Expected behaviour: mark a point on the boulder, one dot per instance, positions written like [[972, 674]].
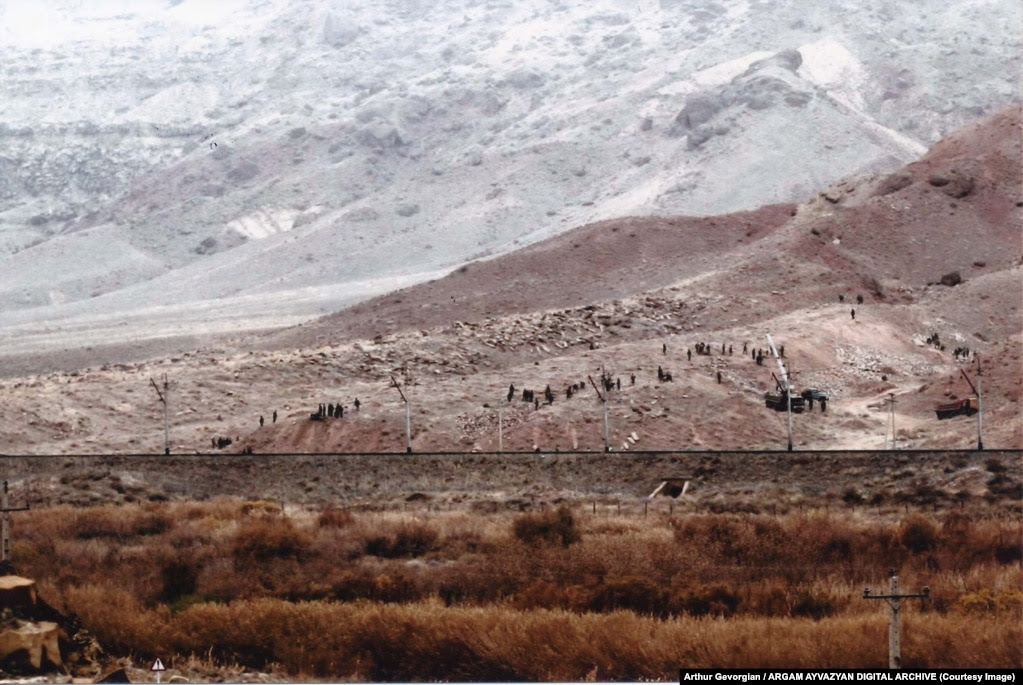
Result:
[[951, 279], [959, 186], [29, 646], [699, 108], [17, 592], [381, 133], [36, 639], [119, 675], [893, 183], [954, 184]]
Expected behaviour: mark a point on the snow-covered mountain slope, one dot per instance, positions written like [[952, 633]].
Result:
[[254, 163]]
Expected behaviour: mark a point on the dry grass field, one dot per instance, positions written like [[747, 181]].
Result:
[[553, 567]]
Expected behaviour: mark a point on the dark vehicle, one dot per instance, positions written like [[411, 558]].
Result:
[[965, 407], [814, 394], [779, 400]]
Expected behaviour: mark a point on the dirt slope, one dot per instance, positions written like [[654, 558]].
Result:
[[626, 297]]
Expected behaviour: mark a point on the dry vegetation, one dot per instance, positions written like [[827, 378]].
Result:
[[557, 594]]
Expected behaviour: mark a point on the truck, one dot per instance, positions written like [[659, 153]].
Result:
[[779, 400], [967, 406]]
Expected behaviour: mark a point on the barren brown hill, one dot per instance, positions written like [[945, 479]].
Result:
[[957, 209], [594, 263], [627, 297]]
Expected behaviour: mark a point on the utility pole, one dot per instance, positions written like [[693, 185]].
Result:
[[163, 398], [408, 416], [891, 420], [980, 411], [7, 509], [788, 386], [894, 599], [500, 428], [603, 402]]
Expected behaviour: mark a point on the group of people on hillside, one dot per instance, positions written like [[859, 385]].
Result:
[[332, 411], [608, 381]]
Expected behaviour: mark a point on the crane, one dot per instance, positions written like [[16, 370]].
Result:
[[784, 386], [603, 402], [968, 406], [980, 406]]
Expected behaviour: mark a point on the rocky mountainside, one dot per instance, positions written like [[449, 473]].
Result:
[[882, 287], [176, 168]]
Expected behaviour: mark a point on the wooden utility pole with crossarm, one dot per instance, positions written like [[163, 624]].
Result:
[[408, 415], [603, 402], [164, 396], [6, 509], [894, 599]]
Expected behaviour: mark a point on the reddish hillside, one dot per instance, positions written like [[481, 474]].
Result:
[[847, 282], [957, 209], [602, 261]]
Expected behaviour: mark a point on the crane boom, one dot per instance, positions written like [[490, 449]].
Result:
[[972, 386], [781, 366], [394, 384], [787, 389]]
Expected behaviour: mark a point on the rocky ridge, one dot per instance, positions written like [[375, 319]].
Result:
[[250, 166]]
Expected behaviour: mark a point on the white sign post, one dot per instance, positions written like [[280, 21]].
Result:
[[158, 668]]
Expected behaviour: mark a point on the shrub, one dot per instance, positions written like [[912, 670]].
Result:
[[919, 534], [766, 599], [715, 600], [550, 527], [261, 540], [994, 466], [1008, 553], [813, 606], [179, 578], [99, 522], [332, 517], [852, 496], [411, 540], [261, 508], [151, 523], [986, 601], [633, 594]]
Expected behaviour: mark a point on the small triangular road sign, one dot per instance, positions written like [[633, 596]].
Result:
[[158, 666]]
